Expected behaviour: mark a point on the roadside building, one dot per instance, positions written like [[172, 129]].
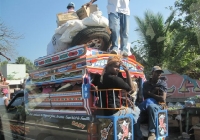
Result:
[[14, 74]]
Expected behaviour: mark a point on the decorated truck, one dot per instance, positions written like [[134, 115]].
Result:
[[59, 98], [58, 102]]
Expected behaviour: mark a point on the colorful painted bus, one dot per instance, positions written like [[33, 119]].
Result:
[[58, 102]]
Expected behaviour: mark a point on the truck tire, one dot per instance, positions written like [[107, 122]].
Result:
[[50, 138], [1, 136], [1, 131], [45, 136], [94, 37]]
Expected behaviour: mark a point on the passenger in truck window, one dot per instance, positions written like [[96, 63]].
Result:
[[35, 90], [77, 86], [48, 89], [110, 80], [68, 86]]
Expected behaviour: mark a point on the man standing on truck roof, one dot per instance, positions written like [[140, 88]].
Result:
[[118, 15], [154, 92], [71, 7]]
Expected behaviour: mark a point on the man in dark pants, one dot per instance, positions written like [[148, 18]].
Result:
[[118, 16], [154, 92]]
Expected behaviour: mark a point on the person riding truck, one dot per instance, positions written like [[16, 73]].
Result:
[[118, 15], [111, 80], [70, 7], [154, 92]]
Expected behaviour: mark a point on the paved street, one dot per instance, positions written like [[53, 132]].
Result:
[[174, 134]]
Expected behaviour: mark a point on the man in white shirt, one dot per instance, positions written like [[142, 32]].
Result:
[[118, 15]]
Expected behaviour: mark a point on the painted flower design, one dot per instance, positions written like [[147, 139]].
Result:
[[104, 134], [125, 129], [162, 125]]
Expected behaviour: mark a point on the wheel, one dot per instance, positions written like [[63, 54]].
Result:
[[94, 37], [2, 137], [1, 131], [50, 138], [45, 136]]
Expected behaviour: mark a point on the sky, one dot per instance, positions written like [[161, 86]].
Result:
[[36, 20]]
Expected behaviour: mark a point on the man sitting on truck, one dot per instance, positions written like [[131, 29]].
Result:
[[154, 92], [111, 80]]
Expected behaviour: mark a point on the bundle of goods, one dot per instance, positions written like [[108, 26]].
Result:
[[70, 24], [171, 106], [193, 101]]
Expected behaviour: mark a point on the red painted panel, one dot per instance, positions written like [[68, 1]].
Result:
[[182, 86], [55, 58], [74, 53]]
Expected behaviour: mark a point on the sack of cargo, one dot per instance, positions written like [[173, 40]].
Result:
[[50, 48], [55, 45], [58, 45], [103, 21], [69, 24], [71, 31], [97, 13], [96, 19]]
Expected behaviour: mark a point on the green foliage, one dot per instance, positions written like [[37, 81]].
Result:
[[185, 9], [153, 30], [188, 25], [174, 43], [12, 76], [3, 63], [29, 65]]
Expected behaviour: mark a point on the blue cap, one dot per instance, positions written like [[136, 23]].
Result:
[[71, 4]]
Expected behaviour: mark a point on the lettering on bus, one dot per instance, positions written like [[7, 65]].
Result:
[[103, 62], [41, 74], [63, 69], [100, 63], [85, 118], [79, 125], [67, 117]]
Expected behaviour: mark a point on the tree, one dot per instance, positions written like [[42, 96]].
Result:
[[3, 63], [188, 22], [195, 13], [153, 30], [139, 52], [8, 39], [185, 9], [189, 16], [172, 44], [27, 62]]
